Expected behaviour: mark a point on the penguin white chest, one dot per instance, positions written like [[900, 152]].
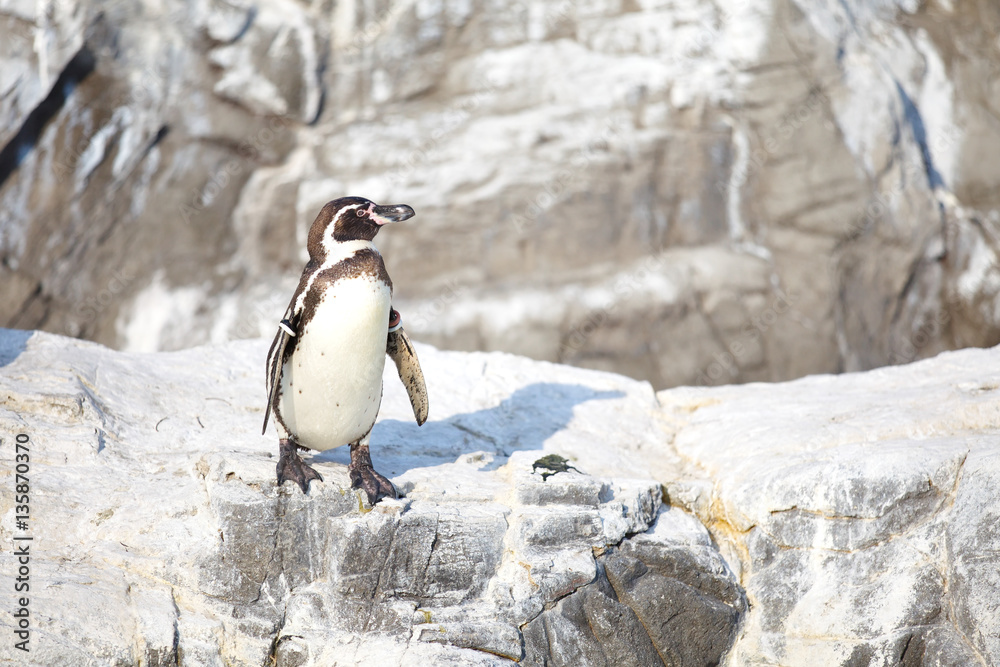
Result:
[[331, 386]]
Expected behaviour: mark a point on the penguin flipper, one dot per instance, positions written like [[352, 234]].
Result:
[[404, 356], [275, 355]]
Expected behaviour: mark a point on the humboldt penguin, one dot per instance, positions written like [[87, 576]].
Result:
[[324, 368]]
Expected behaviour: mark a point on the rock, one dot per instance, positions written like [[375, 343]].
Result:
[[834, 520], [859, 509], [159, 536], [690, 193]]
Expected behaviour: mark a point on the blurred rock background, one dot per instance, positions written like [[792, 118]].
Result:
[[688, 192]]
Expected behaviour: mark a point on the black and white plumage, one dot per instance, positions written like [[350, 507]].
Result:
[[324, 368]]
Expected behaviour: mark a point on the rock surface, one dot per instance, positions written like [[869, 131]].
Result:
[[861, 508], [847, 520], [154, 509], [689, 192]]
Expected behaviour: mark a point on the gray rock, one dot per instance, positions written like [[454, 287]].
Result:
[[834, 520], [161, 538], [689, 193], [649, 605], [857, 509]]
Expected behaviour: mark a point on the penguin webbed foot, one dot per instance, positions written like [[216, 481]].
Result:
[[292, 467], [364, 476]]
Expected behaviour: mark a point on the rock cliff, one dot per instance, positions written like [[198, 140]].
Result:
[[844, 520], [688, 192]]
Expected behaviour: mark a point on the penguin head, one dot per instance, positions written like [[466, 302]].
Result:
[[351, 219]]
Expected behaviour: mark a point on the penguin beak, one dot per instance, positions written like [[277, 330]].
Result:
[[391, 213]]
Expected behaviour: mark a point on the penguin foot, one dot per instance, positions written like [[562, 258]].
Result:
[[363, 476], [375, 486], [291, 466]]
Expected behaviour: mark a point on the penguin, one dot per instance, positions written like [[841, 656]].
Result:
[[324, 368]]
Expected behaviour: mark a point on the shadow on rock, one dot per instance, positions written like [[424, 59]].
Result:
[[522, 421], [12, 343]]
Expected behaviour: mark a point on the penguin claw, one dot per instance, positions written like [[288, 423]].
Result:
[[298, 472], [292, 467], [375, 486]]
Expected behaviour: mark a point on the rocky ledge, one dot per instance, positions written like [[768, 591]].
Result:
[[846, 520]]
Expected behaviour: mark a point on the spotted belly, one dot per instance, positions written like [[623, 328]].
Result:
[[331, 386]]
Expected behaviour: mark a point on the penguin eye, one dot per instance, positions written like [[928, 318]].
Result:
[[361, 212]]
